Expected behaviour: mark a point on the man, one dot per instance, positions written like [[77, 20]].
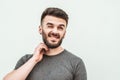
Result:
[[50, 61]]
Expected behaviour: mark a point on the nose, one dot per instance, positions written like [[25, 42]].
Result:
[[55, 30]]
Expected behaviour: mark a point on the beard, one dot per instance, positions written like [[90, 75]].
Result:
[[48, 44]]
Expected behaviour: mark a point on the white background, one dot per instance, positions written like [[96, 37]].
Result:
[[93, 33]]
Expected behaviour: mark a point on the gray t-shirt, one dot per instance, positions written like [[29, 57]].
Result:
[[64, 66]]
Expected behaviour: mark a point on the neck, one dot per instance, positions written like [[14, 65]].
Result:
[[55, 51]]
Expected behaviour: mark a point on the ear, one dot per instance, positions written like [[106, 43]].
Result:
[[40, 29]]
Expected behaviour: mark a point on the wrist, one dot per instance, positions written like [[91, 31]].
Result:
[[34, 60]]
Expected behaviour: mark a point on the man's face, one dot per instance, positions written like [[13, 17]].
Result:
[[53, 30]]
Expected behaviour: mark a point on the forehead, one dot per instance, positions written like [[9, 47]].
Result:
[[54, 20]]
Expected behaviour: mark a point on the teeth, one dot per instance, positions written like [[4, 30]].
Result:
[[54, 37]]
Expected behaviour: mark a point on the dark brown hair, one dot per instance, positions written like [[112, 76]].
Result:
[[57, 12]]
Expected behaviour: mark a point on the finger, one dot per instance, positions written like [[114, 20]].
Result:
[[44, 46]]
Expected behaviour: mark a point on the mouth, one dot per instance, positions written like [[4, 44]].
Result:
[[53, 35], [53, 39]]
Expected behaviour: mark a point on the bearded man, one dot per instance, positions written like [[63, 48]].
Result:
[[50, 60]]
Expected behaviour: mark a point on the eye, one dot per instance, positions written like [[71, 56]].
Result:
[[50, 26], [60, 28]]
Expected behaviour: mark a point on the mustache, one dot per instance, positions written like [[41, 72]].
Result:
[[56, 35]]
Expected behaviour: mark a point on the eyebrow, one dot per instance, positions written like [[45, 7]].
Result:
[[49, 23], [62, 25], [53, 24]]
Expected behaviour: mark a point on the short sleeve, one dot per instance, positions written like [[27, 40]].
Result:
[[80, 71], [22, 60]]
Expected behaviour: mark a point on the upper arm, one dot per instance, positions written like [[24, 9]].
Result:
[[22, 60], [80, 71]]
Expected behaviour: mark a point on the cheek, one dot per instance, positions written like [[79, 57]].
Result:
[[62, 35], [44, 34], [45, 31]]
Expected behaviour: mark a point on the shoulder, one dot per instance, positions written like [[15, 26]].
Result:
[[26, 57], [78, 67], [70, 55], [73, 59]]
